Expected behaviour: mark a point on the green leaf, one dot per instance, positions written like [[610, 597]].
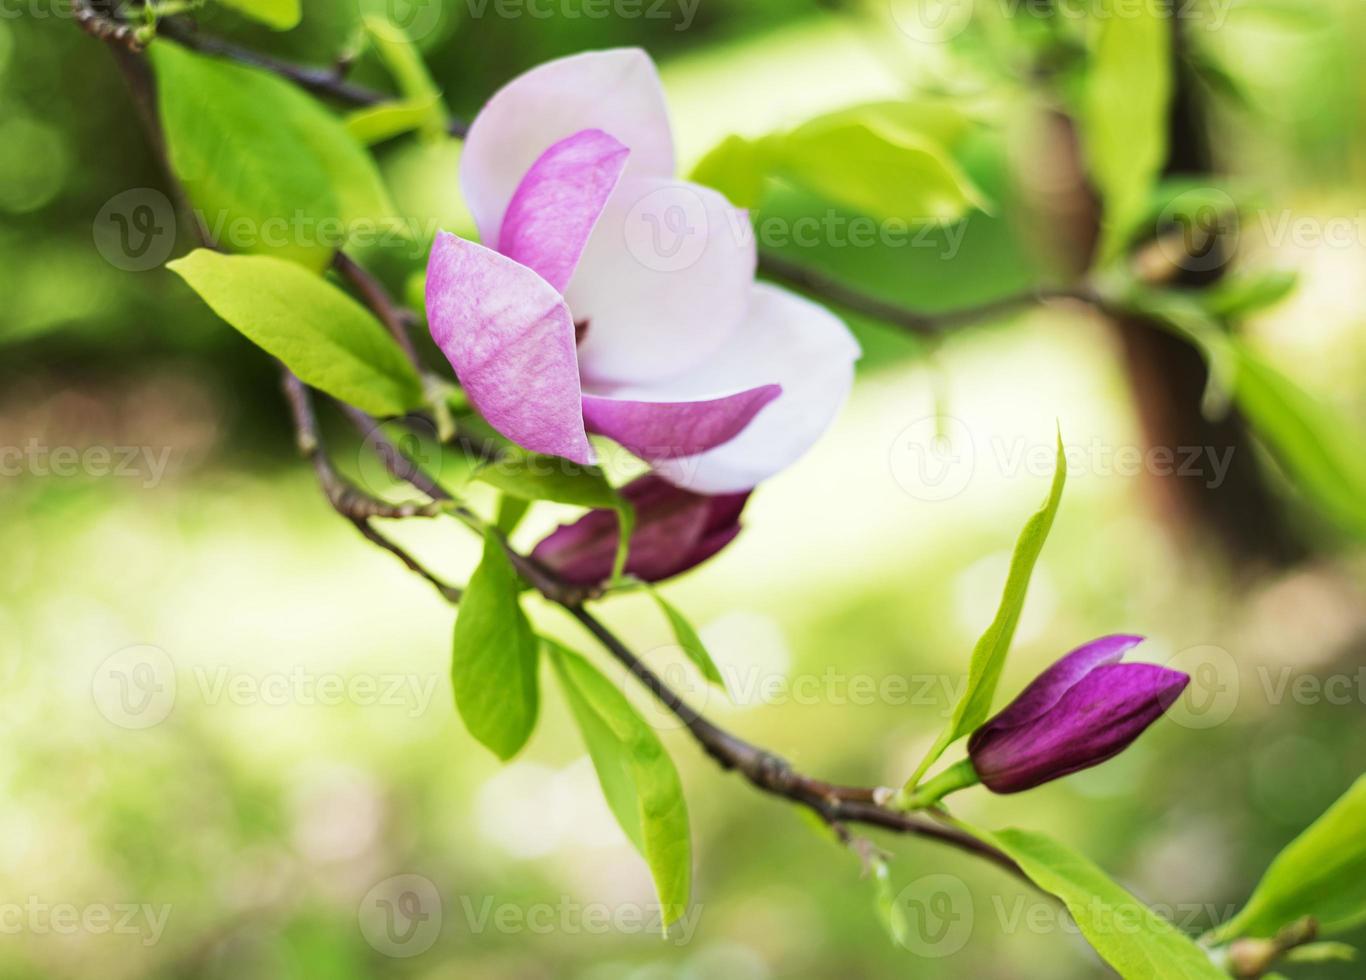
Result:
[[1137, 942], [282, 15], [637, 777], [1321, 873], [511, 510], [404, 61], [689, 640], [1238, 296], [1124, 112], [494, 657], [534, 477], [886, 159], [270, 170], [736, 167], [876, 160], [324, 336], [1321, 953], [989, 655], [377, 123], [1320, 453]]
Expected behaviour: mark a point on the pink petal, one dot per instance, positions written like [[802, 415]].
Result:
[[785, 339], [667, 430], [510, 338], [616, 91], [558, 202], [663, 283]]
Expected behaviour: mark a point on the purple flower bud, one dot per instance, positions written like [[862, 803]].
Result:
[[675, 530], [1084, 709]]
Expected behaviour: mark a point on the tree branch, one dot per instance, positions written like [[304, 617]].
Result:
[[327, 82], [836, 805]]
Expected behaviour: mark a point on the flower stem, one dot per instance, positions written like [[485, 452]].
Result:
[[927, 794]]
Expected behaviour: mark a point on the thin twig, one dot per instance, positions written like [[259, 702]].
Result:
[[817, 283], [372, 291], [328, 82]]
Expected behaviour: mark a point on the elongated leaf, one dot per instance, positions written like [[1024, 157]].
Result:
[[886, 159], [405, 63], [282, 15], [1124, 112], [269, 169], [989, 655], [1137, 942], [321, 334], [1321, 873], [637, 777], [511, 510], [377, 123], [1319, 451], [689, 640], [494, 657]]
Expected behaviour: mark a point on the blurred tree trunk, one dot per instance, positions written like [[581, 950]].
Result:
[[1167, 375]]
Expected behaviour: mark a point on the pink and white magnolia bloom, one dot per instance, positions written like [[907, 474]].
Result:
[[608, 296]]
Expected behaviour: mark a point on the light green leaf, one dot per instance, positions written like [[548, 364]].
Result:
[[1124, 112], [989, 655], [689, 640], [494, 657], [1238, 296], [404, 61], [1320, 452], [511, 510], [377, 123], [890, 912], [875, 160], [269, 169], [736, 167], [1134, 940], [886, 159], [1321, 873], [637, 777], [324, 336], [282, 15], [1321, 953]]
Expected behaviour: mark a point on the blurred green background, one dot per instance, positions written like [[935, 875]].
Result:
[[305, 749]]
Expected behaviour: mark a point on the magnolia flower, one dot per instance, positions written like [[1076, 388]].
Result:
[[1086, 708], [608, 296], [675, 530]]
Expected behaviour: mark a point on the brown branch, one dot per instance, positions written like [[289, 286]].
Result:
[[329, 82], [819, 284], [103, 26], [394, 317]]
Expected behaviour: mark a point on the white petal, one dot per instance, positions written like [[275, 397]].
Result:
[[785, 339], [616, 91], [663, 282]]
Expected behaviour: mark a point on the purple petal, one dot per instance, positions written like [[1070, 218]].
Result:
[[558, 202], [1046, 689], [1094, 720], [510, 338], [657, 430], [616, 91], [784, 339], [675, 530]]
